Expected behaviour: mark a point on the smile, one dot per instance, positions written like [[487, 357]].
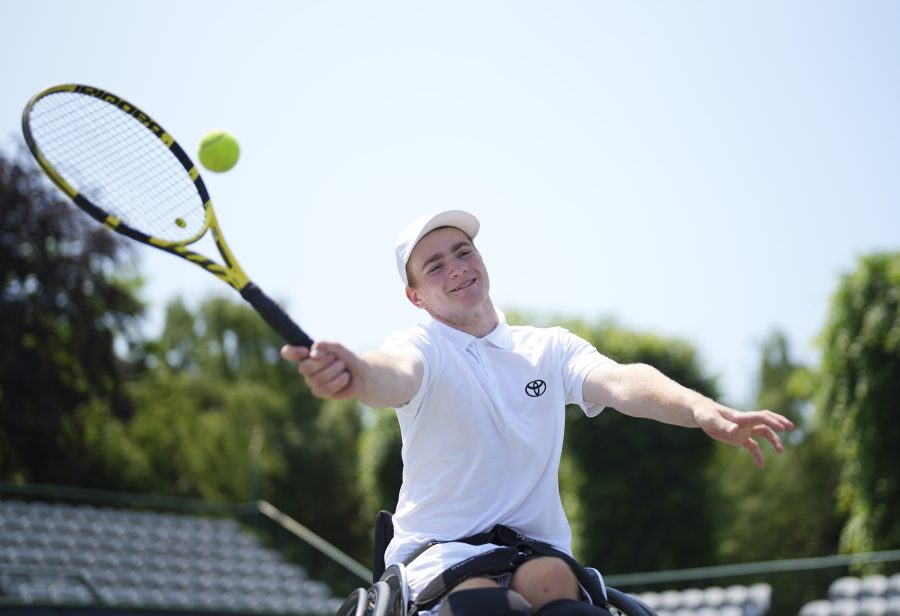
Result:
[[464, 285]]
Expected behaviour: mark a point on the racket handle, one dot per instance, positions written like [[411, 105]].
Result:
[[275, 316]]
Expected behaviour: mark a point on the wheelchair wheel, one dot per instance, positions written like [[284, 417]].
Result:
[[395, 577], [354, 605], [623, 604], [378, 600], [375, 601]]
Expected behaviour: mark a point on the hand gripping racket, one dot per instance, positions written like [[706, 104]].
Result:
[[121, 167]]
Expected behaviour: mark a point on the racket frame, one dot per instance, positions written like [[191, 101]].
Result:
[[230, 271]]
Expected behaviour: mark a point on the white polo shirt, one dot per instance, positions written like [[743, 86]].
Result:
[[482, 437]]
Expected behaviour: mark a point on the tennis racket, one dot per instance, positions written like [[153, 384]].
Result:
[[122, 168]]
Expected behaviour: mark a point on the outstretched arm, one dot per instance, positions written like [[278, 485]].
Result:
[[377, 379], [640, 390]]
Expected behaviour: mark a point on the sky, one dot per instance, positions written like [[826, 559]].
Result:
[[699, 170]]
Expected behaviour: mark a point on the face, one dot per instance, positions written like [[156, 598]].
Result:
[[447, 277]]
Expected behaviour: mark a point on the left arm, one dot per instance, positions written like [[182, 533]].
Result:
[[640, 390]]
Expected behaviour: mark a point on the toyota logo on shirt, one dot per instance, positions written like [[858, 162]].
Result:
[[536, 388]]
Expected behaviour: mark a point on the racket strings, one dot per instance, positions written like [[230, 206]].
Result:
[[119, 165]]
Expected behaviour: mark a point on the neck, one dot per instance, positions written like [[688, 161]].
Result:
[[476, 323]]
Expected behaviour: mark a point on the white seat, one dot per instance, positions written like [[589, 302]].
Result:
[[669, 600], [873, 586], [819, 607], [760, 595], [692, 598], [893, 606], [714, 596], [846, 587], [872, 606], [736, 594], [844, 607]]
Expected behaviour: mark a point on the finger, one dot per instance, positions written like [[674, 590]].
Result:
[[350, 359], [767, 433], [331, 381], [340, 386], [330, 371], [783, 422], [775, 421], [294, 353], [337, 350], [315, 363], [753, 447]]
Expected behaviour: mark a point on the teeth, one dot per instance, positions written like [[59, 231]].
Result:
[[464, 285]]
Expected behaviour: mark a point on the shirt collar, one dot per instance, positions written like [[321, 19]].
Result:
[[500, 337]]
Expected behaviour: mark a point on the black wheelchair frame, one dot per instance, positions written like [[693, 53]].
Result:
[[388, 595]]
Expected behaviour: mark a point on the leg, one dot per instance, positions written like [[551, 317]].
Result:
[[481, 596], [545, 579], [475, 582], [489, 600]]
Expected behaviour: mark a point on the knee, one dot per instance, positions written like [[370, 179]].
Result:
[[545, 579]]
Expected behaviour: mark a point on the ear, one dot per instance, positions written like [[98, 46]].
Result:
[[415, 299]]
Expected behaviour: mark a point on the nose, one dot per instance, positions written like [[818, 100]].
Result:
[[457, 267]]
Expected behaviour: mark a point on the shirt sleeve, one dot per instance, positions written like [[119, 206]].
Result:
[[415, 340], [579, 357]]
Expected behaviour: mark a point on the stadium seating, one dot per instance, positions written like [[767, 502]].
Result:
[[59, 554], [871, 595], [736, 600], [81, 555]]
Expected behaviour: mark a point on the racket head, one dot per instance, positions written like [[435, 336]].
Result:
[[117, 164]]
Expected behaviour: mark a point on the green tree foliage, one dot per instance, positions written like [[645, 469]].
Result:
[[786, 510], [190, 436], [318, 485], [68, 292], [640, 486], [381, 465], [308, 458], [858, 398], [224, 338]]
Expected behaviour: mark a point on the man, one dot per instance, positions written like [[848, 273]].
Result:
[[480, 406]]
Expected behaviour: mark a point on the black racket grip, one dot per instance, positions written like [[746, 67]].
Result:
[[275, 316]]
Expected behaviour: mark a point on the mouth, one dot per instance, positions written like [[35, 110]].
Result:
[[464, 285]]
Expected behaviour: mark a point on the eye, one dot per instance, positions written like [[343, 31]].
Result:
[[433, 268]]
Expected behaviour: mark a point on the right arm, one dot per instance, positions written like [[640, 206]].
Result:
[[377, 379]]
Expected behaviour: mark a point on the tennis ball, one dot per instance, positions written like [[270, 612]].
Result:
[[219, 151]]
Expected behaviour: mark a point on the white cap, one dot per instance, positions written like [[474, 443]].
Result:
[[416, 230]]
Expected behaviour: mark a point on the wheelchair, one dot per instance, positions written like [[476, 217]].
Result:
[[389, 593]]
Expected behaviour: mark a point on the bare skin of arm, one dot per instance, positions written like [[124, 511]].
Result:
[[376, 379], [642, 391]]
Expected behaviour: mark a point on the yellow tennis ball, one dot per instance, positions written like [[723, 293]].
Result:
[[219, 151]]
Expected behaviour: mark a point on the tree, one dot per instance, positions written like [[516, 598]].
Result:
[[786, 510], [857, 399], [639, 489], [190, 436], [309, 455], [68, 294], [381, 465]]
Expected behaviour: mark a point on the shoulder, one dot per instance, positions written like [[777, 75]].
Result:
[[414, 336], [421, 341], [549, 336]]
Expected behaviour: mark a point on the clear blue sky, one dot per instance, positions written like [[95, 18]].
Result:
[[703, 170]]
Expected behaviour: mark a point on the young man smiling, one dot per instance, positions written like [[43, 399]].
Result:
[[481, 411]]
